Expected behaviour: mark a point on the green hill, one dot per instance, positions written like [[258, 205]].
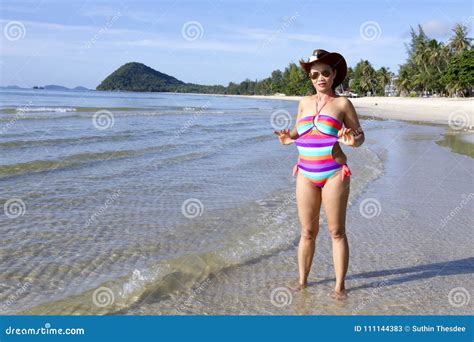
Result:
[[139, 77]]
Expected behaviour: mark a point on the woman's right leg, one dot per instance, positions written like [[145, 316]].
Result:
[[308, 199]]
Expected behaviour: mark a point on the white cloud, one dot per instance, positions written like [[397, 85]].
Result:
[[185, 45], [58, 28], [436, 28], [48, 44], [107, 12]]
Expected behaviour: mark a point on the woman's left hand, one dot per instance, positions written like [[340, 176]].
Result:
[[346, 136]]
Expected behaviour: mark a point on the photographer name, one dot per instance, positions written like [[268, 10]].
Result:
[[437, 328]]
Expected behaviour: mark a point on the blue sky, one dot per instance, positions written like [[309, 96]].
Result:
[[207, 42]]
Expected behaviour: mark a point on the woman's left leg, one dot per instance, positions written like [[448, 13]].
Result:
[[335, 195]]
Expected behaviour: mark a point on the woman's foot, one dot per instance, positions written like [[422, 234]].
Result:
[[338, 295], [299, 286]]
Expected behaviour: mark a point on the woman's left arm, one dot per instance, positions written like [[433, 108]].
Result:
[[351, 121]]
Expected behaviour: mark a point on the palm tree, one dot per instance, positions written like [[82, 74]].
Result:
[[367, 77], [383, 78], [421, 55], [459, 41], [404, 82], [435, 52]]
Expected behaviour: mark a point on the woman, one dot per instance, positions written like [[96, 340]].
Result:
[[323, 174]]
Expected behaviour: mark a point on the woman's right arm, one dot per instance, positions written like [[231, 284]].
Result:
[[286, 136]]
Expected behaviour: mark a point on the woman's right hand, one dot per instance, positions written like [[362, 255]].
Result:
[[284, 136]]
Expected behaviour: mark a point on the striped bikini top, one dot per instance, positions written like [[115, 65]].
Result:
[[321, 125]]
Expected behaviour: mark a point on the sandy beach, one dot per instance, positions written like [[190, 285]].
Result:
[[453, 111]]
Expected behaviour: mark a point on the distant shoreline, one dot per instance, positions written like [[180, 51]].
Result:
[[437, 110], [434, 110]]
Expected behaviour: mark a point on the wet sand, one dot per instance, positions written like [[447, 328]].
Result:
[[410, 234]]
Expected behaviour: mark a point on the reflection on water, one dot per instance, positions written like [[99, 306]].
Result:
[[459, 142]]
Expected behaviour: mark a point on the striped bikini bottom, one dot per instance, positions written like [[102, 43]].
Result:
[[319, 178]]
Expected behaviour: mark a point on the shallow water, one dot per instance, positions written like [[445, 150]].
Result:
[[410, 235], [185, 204], [105, 205], [459, 142]]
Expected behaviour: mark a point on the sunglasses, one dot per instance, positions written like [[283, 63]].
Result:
[[315, 74]]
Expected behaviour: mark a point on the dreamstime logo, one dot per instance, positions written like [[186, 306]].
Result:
[[103, 30], [192, 30], [196, 291], [371, 120], [290, 199], [281, 296], [110, 199], [192, 208], [370, 30], [280, 119], [457, 209], [14, 208], [468, 21], [103, 119], [459, 119], [15, 296], [14, 30], [286, 24], [20, 111], [368, 299], [102, 297], [369, 208], [458, 297], [191, 121]]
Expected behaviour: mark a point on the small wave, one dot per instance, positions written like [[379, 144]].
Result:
[[33, 117], [238, 125], [186, 157], [261, 138], [205, 128], [75, 116], [39, 109], [75, 160], [26, 109], [61, 141]]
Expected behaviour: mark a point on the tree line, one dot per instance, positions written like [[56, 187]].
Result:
[[431, 68], [438, 68]]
